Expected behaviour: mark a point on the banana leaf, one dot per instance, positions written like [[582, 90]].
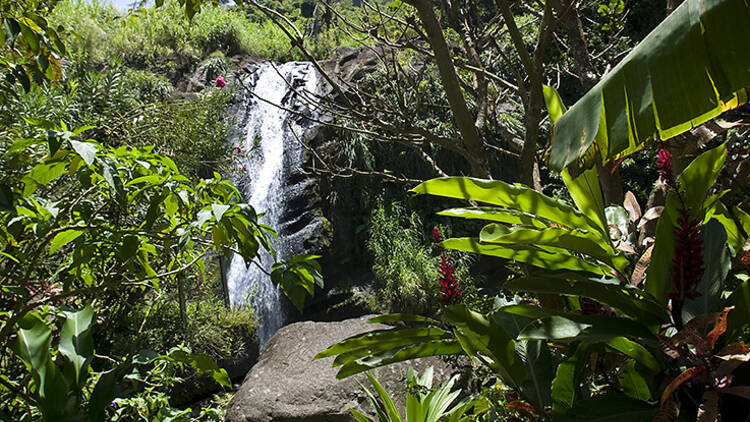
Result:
[[688, 70]]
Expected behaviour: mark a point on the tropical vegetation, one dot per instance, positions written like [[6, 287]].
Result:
[[589, 263]]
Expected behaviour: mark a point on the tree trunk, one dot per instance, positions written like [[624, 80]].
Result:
[[471, 139]]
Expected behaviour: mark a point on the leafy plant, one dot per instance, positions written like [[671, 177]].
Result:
[[423, 404], [646, 96]]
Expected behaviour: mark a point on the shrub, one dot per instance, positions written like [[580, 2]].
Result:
[[403, 264]]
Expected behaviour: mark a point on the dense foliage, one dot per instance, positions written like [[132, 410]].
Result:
[[589, 302]]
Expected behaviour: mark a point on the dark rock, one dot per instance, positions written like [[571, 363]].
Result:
[[286, 385]]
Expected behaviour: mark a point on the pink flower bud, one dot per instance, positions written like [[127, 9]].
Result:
[[220, 82]]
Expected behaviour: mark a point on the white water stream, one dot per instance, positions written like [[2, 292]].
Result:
[[272, 151]]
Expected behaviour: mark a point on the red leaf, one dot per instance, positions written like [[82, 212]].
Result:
[[681, 379], [719, 328]]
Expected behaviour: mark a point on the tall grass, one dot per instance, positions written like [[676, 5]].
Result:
[[155, 36]]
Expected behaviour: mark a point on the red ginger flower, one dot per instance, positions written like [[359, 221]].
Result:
[[664, 163], [688, 257], [220, 82], [450, 293], [436, 236]]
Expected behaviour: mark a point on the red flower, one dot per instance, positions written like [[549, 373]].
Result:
[[220, 82], [688, 257], [238, 149], [450, 293], [436, 236], [664, 163]]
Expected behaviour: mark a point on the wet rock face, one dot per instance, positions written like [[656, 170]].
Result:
[[287, 385]]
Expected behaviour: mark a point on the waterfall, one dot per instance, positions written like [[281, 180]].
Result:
[[273, 155]]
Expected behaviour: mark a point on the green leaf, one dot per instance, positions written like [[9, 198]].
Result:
[[33, 346], [478, 334], [374, 340], [386, 400], [77, 343], [635, 351], [561, 326], [516, 197], [690, 69], [112, 176], [564, 386], [86, 150], [578, 241], [524, 253], [587, 195], [357, 415], [46, 173], [219, 210], [104, 392], [63, 238], [415, 351], [539, 373], [630, 301], [555, 106], [699, 176], [500, 215], [633, 384], [32, 39], [391, 318]]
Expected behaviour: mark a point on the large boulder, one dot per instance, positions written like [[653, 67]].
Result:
[[287, 385]]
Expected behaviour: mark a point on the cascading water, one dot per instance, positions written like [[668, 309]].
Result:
[[271, 145]]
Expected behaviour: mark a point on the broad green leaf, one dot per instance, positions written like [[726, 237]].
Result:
[[385, 398], [104, 392], [618, 216], [415, 351], [633, 384], [86, 150], [699, 176], [689, 69], [391, 318], [77, 343], [524, 253], [539, 372], [635, 351], [561, 326], [372, 339], [219, 210], [484, 336], [587, 195], [33, 346], [500, 215], [578, 241], [359, 416], [564, 386], [112, 176], [630, 301], [516, 197], [63, 238], [46, 173], [555, 106], [395, 340]]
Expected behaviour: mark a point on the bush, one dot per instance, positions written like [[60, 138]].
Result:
[[403, 264]]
